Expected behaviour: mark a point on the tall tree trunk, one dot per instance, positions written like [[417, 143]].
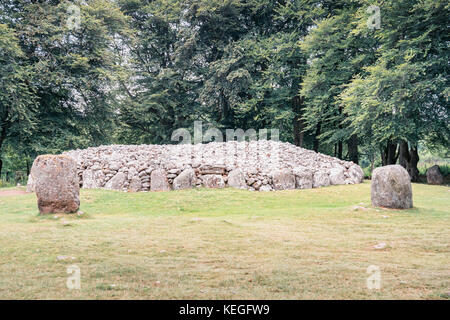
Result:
[[340, 147], [409, 158], [316, 139], [404, 157], [352, 145], [413, 170], [298, 125], [389, 153], [339, 155], [28, 167]]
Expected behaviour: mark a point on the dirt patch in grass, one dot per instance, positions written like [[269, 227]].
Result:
[[14, 192]]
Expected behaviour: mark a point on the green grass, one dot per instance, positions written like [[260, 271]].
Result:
[[228, 244]]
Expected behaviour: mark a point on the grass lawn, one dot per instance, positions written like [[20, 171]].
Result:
[[228, 244]]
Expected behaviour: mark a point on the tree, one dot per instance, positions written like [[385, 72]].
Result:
[[161, 95], [70, 69], [336, 54], [403, 98], [17, 103]]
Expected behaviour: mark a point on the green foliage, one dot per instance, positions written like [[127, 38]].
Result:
[[404, 94], [17, 103], [136, 70], [57, 80], [336, 55]]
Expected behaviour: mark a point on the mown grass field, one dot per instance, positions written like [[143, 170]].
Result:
[[228, 244]]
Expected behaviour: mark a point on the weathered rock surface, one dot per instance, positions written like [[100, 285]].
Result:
[[356, 174], [337, 176], [303, 178], [258, 165], [93, 179], [116, 182], [391, 187], [321, 179], [283, 180], [56, 184], [236, 179], [158, 180], [434, 175], [135, 184], [185, 180], [213, 181]]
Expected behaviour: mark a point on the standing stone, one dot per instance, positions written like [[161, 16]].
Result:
[[116, 182], [283, 180], [236, 179], [213, 181], [303, 178], [56, 184], [391, 187], [434, 175], [158, 180], [184, 180], [321, 179]]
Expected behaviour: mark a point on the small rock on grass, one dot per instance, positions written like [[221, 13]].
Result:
[[380, 246]]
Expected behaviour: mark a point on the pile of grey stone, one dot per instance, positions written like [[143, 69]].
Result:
[[257, 165]]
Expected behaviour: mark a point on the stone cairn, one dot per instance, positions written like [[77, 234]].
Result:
[[258, 165]]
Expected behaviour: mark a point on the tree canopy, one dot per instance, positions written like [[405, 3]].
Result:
[[75, 74]]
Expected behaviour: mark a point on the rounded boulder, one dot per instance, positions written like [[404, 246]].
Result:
[[434, 175], [391, 188]]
